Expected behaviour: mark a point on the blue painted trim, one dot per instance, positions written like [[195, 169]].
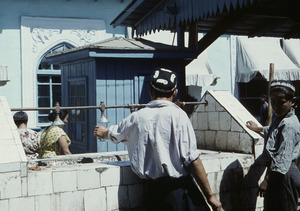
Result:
[[145, 55], [122, 55]]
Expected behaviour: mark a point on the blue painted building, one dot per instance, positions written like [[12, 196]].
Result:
[[115, 71]]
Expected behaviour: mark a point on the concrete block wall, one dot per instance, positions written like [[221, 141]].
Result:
[[107, 184], [94, 186], [233, 178], [221, 125]]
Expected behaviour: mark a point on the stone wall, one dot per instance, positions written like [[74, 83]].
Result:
[[221, 125], [65, 183]]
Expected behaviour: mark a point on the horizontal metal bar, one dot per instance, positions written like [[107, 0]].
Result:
[[97, 107]]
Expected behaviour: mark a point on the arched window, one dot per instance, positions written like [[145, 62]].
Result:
[[49, 84]]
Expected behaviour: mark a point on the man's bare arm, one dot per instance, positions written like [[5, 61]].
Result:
[[198, 172]]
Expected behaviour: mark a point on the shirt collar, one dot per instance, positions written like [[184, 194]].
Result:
[[160, 103]]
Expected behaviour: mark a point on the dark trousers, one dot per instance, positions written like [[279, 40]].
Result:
[[283, 190], [174, 194]]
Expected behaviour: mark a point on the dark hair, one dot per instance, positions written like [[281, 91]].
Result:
[[263, 96], [62, 115], [155, 93], [20, 117]]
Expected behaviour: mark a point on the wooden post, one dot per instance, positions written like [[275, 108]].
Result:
[[271, 77]]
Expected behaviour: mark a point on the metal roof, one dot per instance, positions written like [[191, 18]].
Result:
[[270, 18], [120, 47]]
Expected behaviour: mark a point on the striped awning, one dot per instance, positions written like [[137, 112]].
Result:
[[163, 14]]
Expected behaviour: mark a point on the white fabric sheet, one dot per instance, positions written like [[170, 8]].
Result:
[[291, 48], [199, 72], [255, 55]]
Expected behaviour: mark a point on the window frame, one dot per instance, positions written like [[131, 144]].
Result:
[[50, 73]]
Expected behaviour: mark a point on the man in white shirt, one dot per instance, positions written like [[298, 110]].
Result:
[[162, 149]]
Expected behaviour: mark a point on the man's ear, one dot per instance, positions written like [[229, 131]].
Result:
[[293, 100], [175, 93]]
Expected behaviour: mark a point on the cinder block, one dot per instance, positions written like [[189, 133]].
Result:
[[112, 176], [225, 121], [87, 179], [194, 119], [10, 185], [24, 169], [117, 197], [258, 150], [24, 184], [17, 204], [246, 161], [210, 139], [246, 143], [95, 200], [211, 106], [40, 182], [201, 108], [235, 126], [200, 138], [211, 165], [4, 205], [10, 167], [202, 123], [213, 120], [64, 181], [229, 162], [136, 193], [215, 179], [221, 140], [129, 177], [219, 107], [47, 203], [71, 201], [233, 141]]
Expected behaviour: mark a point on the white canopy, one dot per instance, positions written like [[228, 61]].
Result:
[[199, 72], [255, 55], [292, 49]]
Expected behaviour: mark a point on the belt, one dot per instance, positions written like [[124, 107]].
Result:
[[172, 182]]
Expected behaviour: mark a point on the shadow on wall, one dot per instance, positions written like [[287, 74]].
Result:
[[238, 192]]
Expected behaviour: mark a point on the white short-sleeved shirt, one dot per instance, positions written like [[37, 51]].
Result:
[[160, 138]]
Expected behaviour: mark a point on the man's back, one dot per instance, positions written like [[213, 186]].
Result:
[[160, 138]]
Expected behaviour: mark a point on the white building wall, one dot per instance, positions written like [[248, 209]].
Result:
[[29, 28]]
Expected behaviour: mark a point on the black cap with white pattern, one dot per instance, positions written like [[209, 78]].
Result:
[[282, 83], [163, 80]]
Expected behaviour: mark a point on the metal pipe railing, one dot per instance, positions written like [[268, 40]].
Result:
[[101, 106]]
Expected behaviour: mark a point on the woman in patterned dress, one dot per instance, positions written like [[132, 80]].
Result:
[[54, 140], [30, 139]]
